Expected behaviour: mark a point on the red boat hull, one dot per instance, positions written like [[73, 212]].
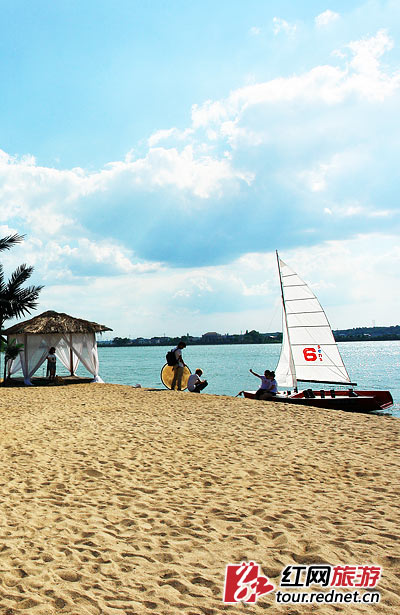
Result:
[[359, 401]]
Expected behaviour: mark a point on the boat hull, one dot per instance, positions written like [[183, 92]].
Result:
[[360, 401]]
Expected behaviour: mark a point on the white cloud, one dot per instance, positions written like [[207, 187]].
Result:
[[45, 221], [368, 79], [236, 135], [243, 294], [350, 210], [209, 112], [280, 25], [202, 176], [326, 18], [341, 164], [49, 200], [326, 84], [79, 259], [255, 31], [160, 135], [384, 213], [258, 290], [184, 169], [168, 134], [202, 283], [6, 230], [367, 52], [107, 253], [352, 267], [291, 154], [183, 292]]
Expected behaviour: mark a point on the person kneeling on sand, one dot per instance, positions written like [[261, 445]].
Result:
[[268, 387], [195, 385]]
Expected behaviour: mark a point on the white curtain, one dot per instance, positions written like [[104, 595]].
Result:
[[63, 352], [32, 356], [85, 347], [36, 349], [14, 366]]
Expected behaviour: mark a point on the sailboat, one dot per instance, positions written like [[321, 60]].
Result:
[[310, 354]]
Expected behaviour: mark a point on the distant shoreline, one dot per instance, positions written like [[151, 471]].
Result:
[[101, 344], [212, 338]]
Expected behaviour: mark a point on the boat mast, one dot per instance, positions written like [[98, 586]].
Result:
[[291, 362]]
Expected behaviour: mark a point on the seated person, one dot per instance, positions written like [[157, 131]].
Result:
[[268, 386], [195, 385], [273, 388]]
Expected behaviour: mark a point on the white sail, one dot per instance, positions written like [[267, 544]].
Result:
[[285, 373], [309, 351]]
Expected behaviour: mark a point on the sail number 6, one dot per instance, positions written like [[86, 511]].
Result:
[[310, 354]]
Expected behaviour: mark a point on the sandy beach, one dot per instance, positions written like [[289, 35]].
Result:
[[118, 500]]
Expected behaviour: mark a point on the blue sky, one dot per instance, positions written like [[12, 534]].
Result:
[[156, 154]]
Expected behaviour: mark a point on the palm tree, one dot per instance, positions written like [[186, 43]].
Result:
[[16, 301]]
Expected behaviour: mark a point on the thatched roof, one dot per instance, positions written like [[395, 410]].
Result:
[[55, 322]]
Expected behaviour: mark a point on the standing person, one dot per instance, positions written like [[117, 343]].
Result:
[[195, 385], [178, 367], [268, 386], [51, 363]]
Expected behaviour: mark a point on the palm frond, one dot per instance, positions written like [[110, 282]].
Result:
[[16, 301], [22, 302], [2, 281], [11, 349], [11, 240], [17, 278]]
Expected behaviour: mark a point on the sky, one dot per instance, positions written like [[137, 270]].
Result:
[[156, 154]]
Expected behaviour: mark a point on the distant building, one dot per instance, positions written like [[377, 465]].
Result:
[[211, 337]]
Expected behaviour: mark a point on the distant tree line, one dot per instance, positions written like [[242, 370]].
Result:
[[366, 334], [249, 337], [255, 337]]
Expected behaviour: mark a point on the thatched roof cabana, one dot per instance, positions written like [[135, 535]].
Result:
[[73, 338], [55, 322]]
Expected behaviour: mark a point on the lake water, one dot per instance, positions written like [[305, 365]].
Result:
[[373, 365]]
